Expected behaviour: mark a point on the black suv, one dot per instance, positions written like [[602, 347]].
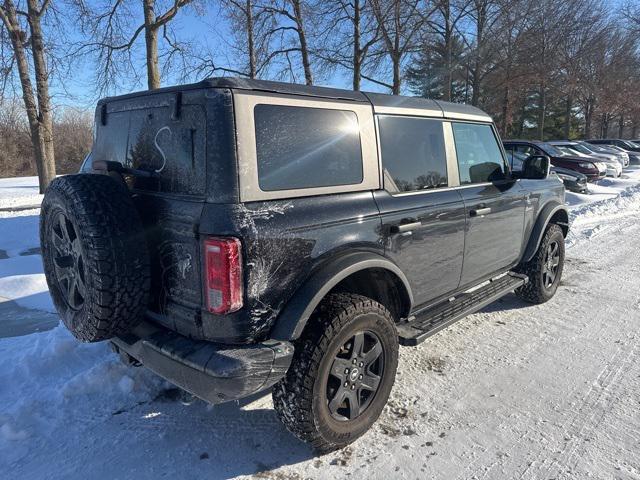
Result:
[[235, 235]]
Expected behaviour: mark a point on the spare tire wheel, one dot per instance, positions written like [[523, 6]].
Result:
[[95, 255]]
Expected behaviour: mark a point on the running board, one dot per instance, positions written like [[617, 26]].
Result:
[[430, 321]]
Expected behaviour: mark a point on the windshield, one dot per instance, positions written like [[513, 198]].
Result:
[[580, 148], [551, 150]]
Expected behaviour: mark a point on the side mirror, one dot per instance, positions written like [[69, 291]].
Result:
[[535, 167]]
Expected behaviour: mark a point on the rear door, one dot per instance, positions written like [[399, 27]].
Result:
[[145, 133], [494, 203], [422, 218]]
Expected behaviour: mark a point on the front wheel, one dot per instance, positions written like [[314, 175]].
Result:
[[544, 269], [341, 374]]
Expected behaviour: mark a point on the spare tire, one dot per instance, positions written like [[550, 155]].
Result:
[[95, 255]]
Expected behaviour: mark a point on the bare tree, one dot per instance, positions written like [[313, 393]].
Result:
[[399, 23], [289, 17], [25, 31], [242, 15], [110, 37], [350, 36], [484, 15], [445, 25]]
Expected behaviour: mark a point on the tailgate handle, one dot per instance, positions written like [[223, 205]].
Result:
[[479, 212]]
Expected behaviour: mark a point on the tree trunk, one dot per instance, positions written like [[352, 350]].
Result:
[[304, 50], [621, 126], [604, 125], [521, 120], [397, 81], [250, 40], [476, 79], [357, 65], [505, 111], [448, 40], [588, 118], [542, 111], [634, 130], [42, 90], [151, 40], [38, 113], [567, 117]]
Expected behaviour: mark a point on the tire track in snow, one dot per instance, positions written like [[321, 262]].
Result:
[[587, 416]]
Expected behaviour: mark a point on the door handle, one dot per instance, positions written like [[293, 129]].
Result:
[[479, 212], [405, 227]]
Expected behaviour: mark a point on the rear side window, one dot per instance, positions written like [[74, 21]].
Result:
[[303, 147], [413, 153], [479, 157]]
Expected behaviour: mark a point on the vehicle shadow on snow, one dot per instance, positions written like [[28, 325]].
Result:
[[506, 303], [225, 440]]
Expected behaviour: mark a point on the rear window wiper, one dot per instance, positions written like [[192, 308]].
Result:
[[107, 166]]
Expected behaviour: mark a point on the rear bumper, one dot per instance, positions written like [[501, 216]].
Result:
[[215, 373]]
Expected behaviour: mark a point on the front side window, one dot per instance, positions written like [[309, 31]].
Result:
[[303, 147], [479, 156], [413, 153]]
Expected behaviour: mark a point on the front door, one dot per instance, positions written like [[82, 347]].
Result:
[[494, 203], [422, 219]]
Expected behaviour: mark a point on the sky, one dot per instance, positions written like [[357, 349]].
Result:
[[209, 29]]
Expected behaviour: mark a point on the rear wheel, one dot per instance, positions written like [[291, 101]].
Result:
[[342, 372], [95, 256], [545, 268]]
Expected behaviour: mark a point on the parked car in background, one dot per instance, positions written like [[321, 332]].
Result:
[[614, 166], [625, 144], [593, 169], [611, 149], [573, 181], [632, 149]]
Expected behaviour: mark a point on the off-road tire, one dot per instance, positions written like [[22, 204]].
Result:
[[300, 397], [108, 254], [534, 291]]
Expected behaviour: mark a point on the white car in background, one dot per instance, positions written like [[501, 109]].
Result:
[[614, 165]]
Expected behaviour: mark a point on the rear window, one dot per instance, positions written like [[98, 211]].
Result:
[[413, 153], [302, 147], [149, 139]]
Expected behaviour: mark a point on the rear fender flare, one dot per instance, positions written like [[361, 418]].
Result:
[[294, 316], [549, 211]]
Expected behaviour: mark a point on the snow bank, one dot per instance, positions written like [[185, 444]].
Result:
[[19, 192], [46, 377]]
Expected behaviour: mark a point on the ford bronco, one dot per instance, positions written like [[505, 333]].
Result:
[[236, 235]]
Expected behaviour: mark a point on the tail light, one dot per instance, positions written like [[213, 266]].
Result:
[[223, 264]]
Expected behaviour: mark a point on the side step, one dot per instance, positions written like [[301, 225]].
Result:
[[432, 320]]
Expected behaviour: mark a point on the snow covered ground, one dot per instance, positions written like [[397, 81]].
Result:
[[515, 391]]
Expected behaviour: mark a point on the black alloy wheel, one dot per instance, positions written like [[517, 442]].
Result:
[[544, 270], [551, 264], [355, 376], [68, 261], [341, 374]]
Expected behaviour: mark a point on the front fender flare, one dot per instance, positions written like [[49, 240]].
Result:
[[550, 210], [294, 316]]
